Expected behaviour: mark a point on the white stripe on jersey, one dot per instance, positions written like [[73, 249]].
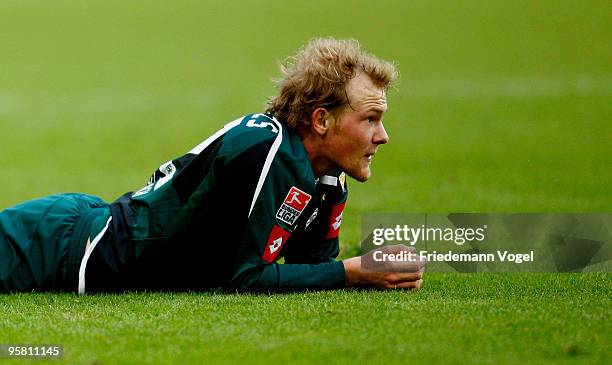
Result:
[[88, 250], [266, 167], [202, 146]]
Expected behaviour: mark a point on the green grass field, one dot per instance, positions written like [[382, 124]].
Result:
[[502, 106], [496, 318]]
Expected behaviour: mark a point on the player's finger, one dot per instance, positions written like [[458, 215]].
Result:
[[415, 264], [401, 277], [399, 248], [415, 285]]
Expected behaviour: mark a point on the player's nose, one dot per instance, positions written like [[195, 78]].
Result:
[[380, 135]]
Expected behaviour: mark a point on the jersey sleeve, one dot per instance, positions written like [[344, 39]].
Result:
[[319, 240], [280, 205]]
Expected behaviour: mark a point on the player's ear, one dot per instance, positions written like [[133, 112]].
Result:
[[319, 121]]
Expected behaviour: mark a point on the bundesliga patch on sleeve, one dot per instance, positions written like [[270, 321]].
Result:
[[277, 239], [293, 205], [335, 220]]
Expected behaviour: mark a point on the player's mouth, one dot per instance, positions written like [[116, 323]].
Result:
[[369, 156]]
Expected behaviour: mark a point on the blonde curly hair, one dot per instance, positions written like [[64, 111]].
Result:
[[316, 76]]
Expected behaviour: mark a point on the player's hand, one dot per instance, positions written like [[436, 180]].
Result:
[[369, 269]]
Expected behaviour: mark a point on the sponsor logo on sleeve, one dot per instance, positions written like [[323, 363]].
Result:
[[293, 205], [276, 240], [335, 221]]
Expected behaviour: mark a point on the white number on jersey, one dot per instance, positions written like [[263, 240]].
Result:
[[253, 122]]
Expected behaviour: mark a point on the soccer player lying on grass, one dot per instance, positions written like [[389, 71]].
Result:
[[265, 186]]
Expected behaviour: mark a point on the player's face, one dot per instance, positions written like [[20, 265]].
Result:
[[358, 130]]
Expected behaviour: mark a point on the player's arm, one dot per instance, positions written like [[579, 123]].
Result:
[[309, 258], [319, 243], [271, 226], [267, 237]]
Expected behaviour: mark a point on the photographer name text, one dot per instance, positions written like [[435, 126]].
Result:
[[407, 256]]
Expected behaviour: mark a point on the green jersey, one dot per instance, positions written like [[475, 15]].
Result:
[[222, 215]]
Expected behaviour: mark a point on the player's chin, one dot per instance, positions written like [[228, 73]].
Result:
[[362, 174]]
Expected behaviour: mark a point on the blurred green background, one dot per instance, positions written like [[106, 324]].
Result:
[[502, 106]]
